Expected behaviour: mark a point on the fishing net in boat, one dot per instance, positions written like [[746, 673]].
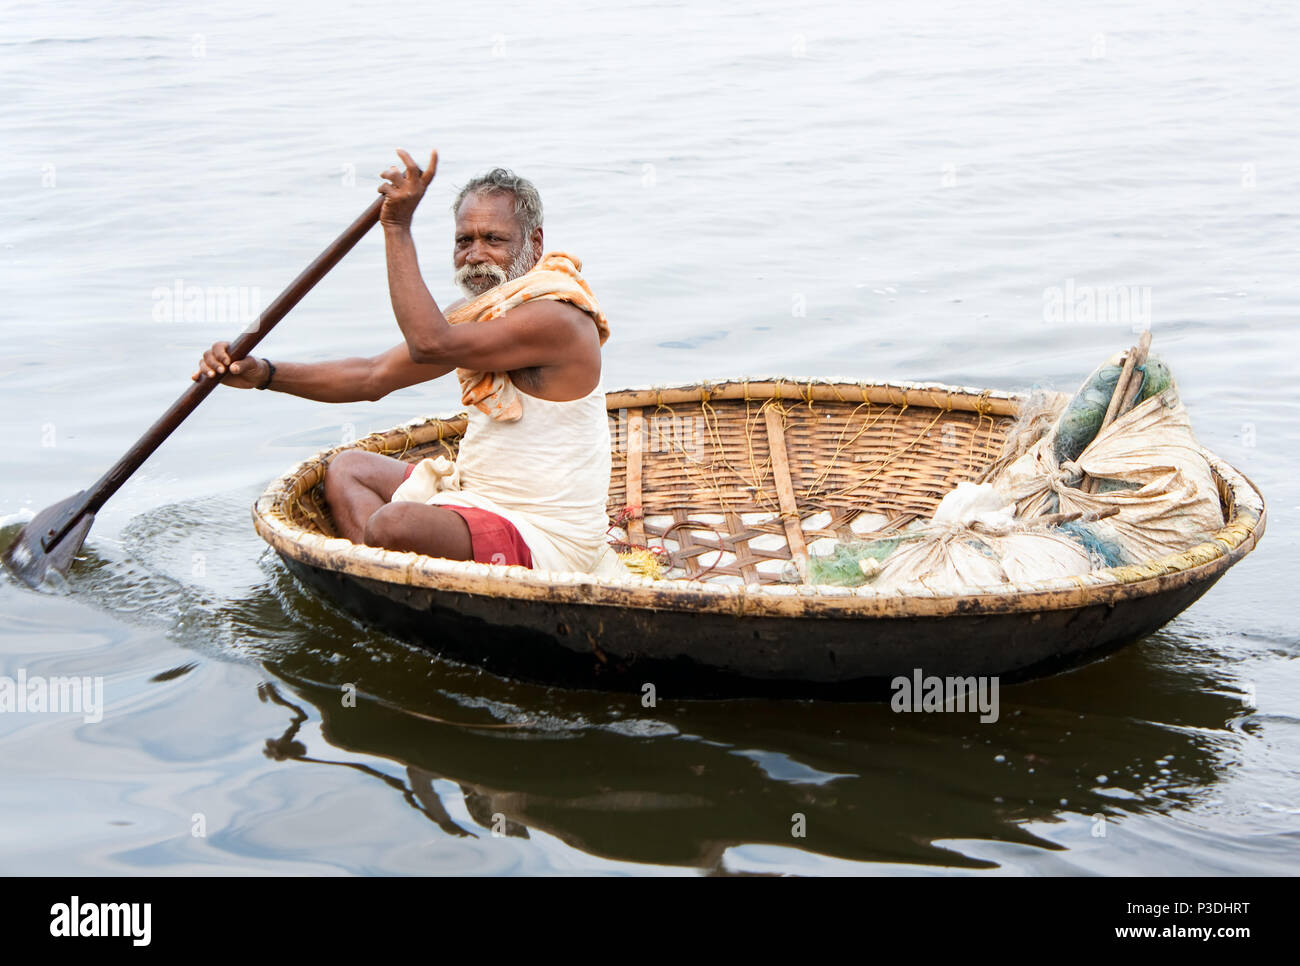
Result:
[[851, 562], [1105, 553]]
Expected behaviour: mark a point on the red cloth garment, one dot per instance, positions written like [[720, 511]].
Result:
[[493, 538]]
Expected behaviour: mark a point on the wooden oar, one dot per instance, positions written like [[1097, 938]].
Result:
[[53, 537]]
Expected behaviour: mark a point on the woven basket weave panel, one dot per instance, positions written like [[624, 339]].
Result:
[[693, 459], [892, 460], [845, 459], [885, 458]]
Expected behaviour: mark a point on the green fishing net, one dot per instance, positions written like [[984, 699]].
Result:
[[843, 567]]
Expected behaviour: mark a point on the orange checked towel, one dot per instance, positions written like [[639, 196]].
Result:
[[557, 276]]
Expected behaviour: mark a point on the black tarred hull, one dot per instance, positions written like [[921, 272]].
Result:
[[703, 655]]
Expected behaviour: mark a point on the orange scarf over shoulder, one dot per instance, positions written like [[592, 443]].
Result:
[[558, 277]]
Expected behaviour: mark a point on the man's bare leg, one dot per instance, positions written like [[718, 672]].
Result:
[[431, 530], [358, 488], [357, 484]]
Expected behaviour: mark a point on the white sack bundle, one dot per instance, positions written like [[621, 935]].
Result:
[[973, 541]]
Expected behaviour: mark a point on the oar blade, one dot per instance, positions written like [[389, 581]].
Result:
[[29, 560]]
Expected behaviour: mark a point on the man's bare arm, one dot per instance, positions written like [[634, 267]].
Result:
[[356, 379], [537, 333], [344, 380]]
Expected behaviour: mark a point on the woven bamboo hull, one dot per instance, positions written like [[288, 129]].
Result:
[[732, 628]]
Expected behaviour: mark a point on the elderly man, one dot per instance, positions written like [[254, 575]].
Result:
[[529, 483]]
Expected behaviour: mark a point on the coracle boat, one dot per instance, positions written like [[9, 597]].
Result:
[[733, 484]]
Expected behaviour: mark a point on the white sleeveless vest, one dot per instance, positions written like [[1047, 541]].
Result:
[[547, 473]]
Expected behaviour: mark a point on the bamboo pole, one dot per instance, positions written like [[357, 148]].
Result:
[[1126, 390], [635, 457], [785, 490]]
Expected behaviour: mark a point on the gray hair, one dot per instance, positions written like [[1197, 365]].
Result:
[[528, 203]]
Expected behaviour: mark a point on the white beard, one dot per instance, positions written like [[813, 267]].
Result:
[[474, 280]]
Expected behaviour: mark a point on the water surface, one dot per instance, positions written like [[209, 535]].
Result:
[[827, 190]]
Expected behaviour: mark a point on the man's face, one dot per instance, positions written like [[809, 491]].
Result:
[[490, 247]]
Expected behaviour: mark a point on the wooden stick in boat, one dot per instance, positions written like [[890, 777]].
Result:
[[635, 458], [1121, 397], [785, 490], [1135, 378], [1056, 519]]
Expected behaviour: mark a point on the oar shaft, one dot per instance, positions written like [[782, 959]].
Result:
[[112, 481]]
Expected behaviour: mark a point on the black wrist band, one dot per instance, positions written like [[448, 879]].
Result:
[[270, 374]]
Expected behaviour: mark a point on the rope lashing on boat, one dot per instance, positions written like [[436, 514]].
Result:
[[892, 456], [983, 411], [407, 442], [946, 405], [628, 512], [698, 525], [309, 511], [842, 443], [1068, 473], [754, 483]]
